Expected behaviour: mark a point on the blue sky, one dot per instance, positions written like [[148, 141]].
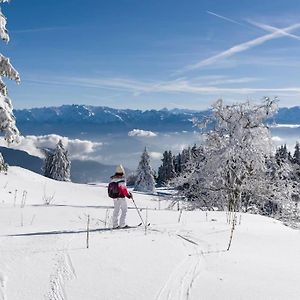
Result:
[[152, 53]]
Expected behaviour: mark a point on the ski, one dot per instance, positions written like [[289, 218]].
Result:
[[129, 227]]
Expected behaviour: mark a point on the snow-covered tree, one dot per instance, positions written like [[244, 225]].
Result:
[[7, 118], [186, 156], [281, 154], [3, 165], [57, 163], [296, 156], [48, 162], [145, 175], [236, 169], [167, 170], [235, 155], [178, 163]]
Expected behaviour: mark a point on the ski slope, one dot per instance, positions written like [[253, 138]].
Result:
[[43, 252]]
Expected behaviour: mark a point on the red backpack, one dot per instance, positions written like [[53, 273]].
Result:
[[113, 190]]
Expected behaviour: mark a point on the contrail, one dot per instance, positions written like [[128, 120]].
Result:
[[273, 29], [241, 47], [224, 18]]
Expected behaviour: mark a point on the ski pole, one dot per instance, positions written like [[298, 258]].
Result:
[[138, 211]]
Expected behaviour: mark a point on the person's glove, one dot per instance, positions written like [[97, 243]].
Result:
[[130, 196]]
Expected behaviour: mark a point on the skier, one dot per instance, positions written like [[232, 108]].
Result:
[[118, 180]]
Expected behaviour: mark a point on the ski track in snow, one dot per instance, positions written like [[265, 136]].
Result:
[[3, 280], [179, 284], [63, 272]]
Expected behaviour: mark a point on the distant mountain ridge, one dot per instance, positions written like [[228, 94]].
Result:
[[288, 115], [98, 119], [66, 119]]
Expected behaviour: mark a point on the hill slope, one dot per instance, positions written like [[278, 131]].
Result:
[[82, 171], [44, 255]]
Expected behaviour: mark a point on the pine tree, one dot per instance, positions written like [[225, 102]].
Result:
[[290, 157], [7, 118], [145, 175], [170, 166], [186, 156], [281, 154], [57, 164], [178, 164], [296, 156], [161, 174], [48, 162], [167, 170], [3, 165]]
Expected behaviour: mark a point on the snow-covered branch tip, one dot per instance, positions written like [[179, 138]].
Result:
[[7, 118], [3, 31], [7, 70]]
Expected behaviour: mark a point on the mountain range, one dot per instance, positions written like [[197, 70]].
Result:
[[71, 120]]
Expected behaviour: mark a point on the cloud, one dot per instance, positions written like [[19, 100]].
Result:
[[33, 145], [233, 80], [286, 126], [277, 139], [155, 155], [141, 133], [240, 48]]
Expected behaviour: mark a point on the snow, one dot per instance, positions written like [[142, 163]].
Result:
[[43, 251]]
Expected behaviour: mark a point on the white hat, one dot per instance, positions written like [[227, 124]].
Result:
[[120, 169]]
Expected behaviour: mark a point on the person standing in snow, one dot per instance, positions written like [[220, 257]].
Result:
[[118, 182]]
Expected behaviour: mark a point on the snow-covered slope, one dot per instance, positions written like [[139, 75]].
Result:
[[43, 251]]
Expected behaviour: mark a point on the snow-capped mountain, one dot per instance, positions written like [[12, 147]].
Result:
[[71, 119], [94, 119], [288, 115]]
